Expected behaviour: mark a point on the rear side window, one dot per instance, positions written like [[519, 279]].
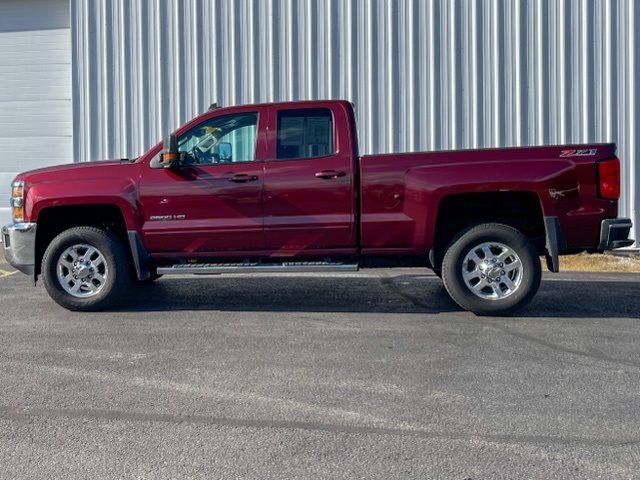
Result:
[[305, 133]]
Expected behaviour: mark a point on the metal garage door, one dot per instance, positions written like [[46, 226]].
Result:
[[35, 89]]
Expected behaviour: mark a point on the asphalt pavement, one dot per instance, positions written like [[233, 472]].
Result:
[[372, 375]]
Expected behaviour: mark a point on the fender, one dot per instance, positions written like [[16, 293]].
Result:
[[427, 186], [121, 193], [86, 184]]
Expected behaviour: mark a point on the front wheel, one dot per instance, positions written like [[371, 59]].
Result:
[[85, 268], [491, 269]]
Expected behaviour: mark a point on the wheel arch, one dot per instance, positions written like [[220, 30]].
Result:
[[521, 210], [54, 220]]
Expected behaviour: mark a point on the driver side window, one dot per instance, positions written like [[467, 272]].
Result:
[[225, 139]]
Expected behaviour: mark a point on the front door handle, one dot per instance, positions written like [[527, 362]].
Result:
[[329, 174], [242, 178]]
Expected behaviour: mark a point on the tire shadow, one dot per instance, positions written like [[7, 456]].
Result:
[[394, 294]]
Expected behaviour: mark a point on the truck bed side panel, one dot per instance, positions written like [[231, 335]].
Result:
[[401, 193]]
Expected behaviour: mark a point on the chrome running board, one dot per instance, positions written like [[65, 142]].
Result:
[[254, 267]]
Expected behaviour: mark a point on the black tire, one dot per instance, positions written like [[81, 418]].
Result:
[[464, 243], [115, 258]]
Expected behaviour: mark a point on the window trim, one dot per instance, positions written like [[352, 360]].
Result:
[[334, 139]]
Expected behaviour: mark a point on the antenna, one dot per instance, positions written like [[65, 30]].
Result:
[[213, 106]]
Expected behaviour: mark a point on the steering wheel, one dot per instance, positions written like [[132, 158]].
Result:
[[200, 157]]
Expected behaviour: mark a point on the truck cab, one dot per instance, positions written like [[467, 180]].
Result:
[[258, 180]]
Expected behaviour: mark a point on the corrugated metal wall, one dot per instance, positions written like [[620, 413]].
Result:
[[423, 74]]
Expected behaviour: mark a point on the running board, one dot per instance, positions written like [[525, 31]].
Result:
[[285, 267]]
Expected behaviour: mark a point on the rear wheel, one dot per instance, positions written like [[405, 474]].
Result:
[[491, 269], [85, 268]]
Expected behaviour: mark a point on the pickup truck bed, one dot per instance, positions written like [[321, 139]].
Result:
[[410, 195]]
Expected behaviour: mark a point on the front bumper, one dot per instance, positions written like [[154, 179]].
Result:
[[19, 243], [614, 233]]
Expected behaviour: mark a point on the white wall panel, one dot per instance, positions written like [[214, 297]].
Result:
[[35, 89], [423, 74]]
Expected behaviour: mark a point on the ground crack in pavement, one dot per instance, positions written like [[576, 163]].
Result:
[[593, 355], [28, 414]]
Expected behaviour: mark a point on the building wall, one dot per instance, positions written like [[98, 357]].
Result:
[[35, 89], [424, 75]]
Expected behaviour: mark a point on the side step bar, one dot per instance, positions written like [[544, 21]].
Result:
[[285, 267]]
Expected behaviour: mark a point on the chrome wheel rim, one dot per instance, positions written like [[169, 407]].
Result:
[[82, 270], [492, 271]]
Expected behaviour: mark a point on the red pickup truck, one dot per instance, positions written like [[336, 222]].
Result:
[[281, 188]]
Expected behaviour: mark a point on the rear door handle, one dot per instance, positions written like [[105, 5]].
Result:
[[242, 178], [329, 174]]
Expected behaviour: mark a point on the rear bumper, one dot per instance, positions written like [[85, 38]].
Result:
[[614, 233], [19, 243]]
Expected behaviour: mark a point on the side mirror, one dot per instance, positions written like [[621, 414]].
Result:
[[170, 156]]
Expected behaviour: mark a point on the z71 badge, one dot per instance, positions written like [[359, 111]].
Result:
[[579, 153]]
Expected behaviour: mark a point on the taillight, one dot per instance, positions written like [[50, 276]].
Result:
[[609, 179]]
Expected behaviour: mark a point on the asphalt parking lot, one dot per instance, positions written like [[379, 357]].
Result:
[[376, 375]]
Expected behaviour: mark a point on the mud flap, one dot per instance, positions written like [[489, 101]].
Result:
[[554, 243], [139, 255]]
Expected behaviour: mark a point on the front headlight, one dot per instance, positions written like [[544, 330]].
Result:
[[17, 201]]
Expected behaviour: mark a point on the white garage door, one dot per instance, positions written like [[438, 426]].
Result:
[[35, 89]]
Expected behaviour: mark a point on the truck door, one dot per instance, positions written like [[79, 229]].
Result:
[[309, 201], [213, 202]]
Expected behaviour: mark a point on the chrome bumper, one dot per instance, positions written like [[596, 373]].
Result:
[[614, 233], [19, 243]]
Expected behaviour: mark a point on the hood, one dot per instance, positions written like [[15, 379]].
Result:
[[77, 171]]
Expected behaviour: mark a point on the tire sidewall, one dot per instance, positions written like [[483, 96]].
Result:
[[108, 246], [460, 247]]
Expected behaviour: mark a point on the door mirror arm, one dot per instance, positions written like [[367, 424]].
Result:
[[170, 156]]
